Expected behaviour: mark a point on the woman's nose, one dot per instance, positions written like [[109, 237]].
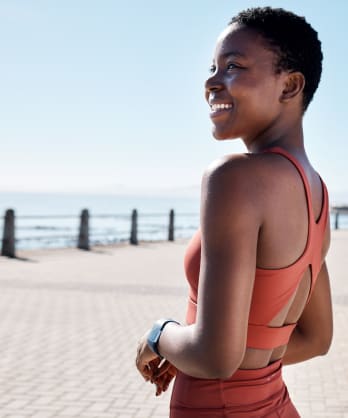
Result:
[[213, 83]]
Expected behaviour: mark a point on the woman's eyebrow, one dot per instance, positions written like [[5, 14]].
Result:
[[233, 54]]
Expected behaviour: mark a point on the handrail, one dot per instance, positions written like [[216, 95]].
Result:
[[83, 235]]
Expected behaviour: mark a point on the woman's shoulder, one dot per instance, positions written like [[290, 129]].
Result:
[[243, 161], [233, 182], [240, 170], [252, 181], [228, 161]]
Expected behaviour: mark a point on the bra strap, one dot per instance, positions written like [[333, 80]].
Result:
[[298, 166]]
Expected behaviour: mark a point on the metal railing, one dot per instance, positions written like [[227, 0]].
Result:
[[83, 236], [337, 211]]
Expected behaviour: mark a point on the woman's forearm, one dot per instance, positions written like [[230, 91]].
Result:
[[177, 345], [181, 346]]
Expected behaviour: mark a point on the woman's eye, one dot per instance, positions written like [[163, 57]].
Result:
[[232, 66], [212, 69]]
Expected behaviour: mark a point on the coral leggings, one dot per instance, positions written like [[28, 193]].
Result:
[[257, 393]]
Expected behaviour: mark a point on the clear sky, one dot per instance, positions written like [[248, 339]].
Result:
[[107, 96]]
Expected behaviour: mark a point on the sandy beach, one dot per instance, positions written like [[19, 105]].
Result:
[[70, 321]]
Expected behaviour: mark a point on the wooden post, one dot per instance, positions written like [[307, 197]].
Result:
[[171, 226], [83, 241], [8, 239], [134, 228], [336, 219]]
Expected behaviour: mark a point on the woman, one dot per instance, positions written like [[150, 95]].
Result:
[[259, 286]]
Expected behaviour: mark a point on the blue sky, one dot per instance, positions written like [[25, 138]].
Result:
[[107, 96]]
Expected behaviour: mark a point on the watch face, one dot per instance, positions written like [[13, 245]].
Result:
[[155, 334], [153, 338]]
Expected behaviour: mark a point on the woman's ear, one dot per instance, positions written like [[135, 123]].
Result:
[[293, 86]]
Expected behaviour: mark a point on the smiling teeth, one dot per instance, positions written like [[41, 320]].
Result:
[[220, 106]]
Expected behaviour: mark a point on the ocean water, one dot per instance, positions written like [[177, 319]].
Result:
[[52, 220]]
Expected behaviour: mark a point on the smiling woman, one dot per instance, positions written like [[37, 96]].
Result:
[[259, 288], [252, 86]]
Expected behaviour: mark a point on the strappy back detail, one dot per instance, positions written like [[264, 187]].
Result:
[[283, 282], [298, 166], [310, 211], [273, 288]]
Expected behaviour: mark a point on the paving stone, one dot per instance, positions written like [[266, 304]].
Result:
[[70, 322]]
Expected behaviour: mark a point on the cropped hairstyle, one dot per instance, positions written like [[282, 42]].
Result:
[[292, 39]]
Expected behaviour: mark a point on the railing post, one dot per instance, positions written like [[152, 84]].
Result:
[[336, 219], [83, 241], [171, 226], [8, 238], [134, 228]]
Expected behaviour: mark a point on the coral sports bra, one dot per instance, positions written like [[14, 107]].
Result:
[[273, 288]]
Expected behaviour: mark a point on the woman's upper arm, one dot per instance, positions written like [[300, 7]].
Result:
[[230, 223], [316, 321]]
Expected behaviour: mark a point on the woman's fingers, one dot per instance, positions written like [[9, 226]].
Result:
[[163, 368], [165, 372], [153, 365], [163, 381], [154, 369], [168, 378], [163, 385]]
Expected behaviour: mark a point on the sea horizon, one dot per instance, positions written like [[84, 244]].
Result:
[[337, 197]]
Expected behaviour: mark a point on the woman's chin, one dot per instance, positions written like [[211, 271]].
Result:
[[221, 135]]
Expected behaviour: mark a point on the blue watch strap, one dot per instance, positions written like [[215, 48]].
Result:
[[155, 334]]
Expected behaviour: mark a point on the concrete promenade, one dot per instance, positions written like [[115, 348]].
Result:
[[70, 321]]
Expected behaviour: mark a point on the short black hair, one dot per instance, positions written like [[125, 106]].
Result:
[[292, 39]]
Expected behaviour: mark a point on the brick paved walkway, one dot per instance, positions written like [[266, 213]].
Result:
[[70, 320]]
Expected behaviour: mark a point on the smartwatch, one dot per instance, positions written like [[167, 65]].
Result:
[[155, 334]]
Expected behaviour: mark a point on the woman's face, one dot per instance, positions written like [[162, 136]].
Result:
[[244, 89]]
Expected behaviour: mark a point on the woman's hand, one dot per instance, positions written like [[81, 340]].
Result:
[[153, 368], [164, 375], [146, 361]]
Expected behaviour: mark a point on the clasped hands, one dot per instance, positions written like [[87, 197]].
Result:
[[154, 369]]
